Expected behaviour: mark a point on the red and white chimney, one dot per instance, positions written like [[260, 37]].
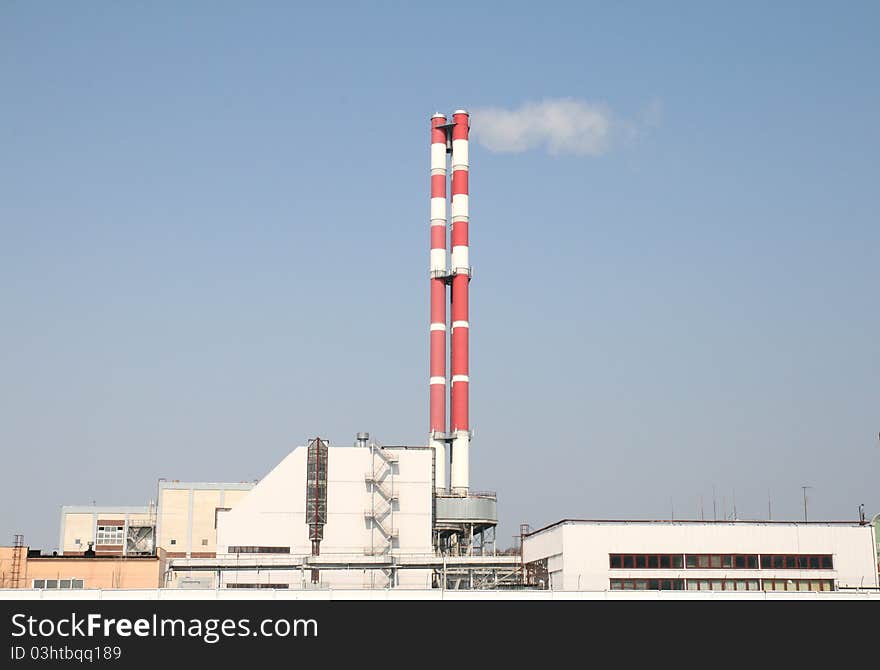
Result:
[[438, 275], [460, 277], [446, 137]]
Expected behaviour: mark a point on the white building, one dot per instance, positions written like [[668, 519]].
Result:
[[346, 505], [576, 555]]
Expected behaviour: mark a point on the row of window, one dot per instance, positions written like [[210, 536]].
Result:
[[647, 584], [244, 585], [58, 584], [646, 560], [723, 561], [722, 584], [797, 561], [733, 561], [258, 550]]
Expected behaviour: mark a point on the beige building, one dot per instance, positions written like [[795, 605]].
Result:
[[26, 569], [186, 525], [183, 523], [111, 531]]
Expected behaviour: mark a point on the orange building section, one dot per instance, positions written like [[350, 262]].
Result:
[[88, 572]]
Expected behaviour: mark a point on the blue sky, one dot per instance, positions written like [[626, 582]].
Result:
[[214, 224]]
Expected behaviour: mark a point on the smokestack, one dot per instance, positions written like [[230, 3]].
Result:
[[460, 272], [438, 299]]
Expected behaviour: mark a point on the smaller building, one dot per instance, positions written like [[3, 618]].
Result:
[[23, 568], [183, 522], [108, 531], [600, 555]]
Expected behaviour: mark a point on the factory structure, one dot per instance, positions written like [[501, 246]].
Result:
[[380, 516]]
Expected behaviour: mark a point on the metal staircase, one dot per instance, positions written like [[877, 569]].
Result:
[[380, 512]]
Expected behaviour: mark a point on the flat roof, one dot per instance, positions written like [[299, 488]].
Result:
[[212, 486], [696, 522], [105, 509], [68, 557]]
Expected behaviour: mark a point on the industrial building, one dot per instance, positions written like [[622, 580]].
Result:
[[581, 555], [373, 516], [181, 521], [23, 568]]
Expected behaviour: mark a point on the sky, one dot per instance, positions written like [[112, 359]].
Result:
[[214, 246]]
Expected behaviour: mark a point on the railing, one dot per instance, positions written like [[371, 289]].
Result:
[[491, 495]]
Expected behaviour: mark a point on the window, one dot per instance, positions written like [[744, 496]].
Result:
[[173, 542], [204, 543], [797, 561], [112, 535], [798, 584], [258, 550], [723, 585], [645, 561], [243, 585], [57, 583], [647, 584], [77, 542], [722, 561]]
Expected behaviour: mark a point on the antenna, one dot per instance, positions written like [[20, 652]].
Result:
[[769, 507], [805, 501], [714, 511]]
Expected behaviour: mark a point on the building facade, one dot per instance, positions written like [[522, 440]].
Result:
[[580, 555], [23, 568], [343, 504]]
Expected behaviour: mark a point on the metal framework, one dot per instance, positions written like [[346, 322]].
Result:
[[447, 572], [316, 495]]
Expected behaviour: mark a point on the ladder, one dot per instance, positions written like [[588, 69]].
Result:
[[17, 550]]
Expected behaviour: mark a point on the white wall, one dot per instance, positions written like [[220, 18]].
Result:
[[273, 513], [585, 546]]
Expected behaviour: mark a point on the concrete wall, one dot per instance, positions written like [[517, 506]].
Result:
[[187, 512], [273, 514], [98, 573], [578, 552]]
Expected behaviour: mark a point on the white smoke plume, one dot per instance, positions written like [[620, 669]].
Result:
[[558, 126]]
